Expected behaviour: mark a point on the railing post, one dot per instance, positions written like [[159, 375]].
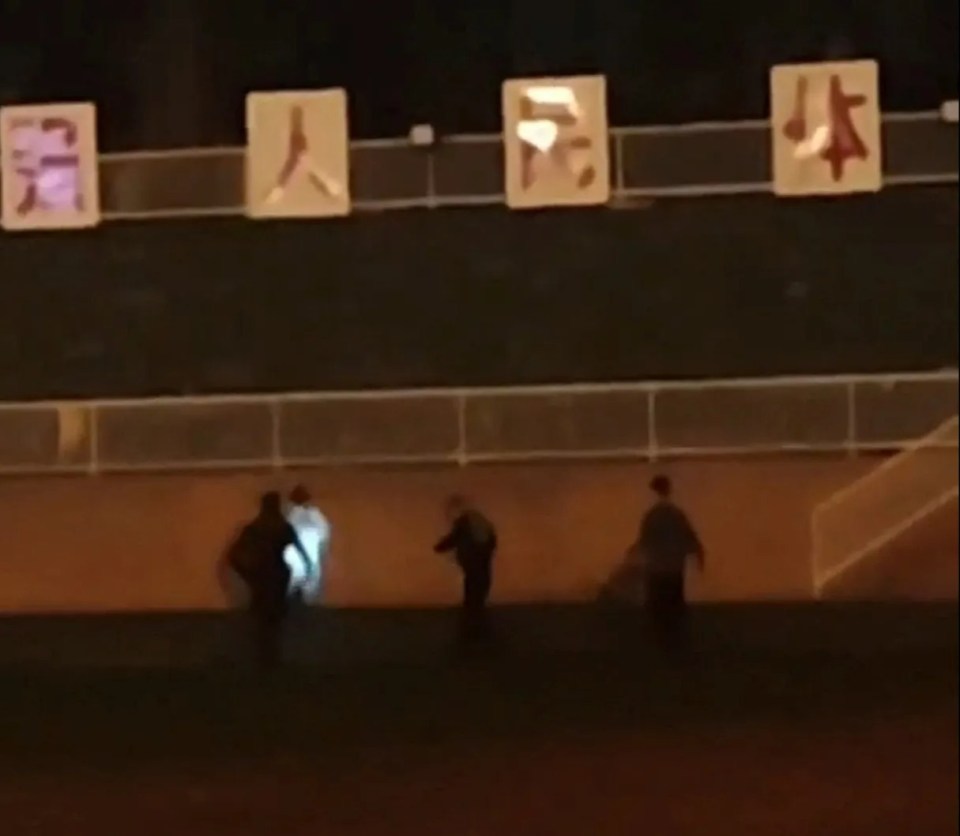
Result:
[[618, 179], [276, 452], [93, 416], [462, 458], [431, 179], [652, 441], [853, 447]]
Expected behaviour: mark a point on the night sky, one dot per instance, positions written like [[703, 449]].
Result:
[[168, 73]]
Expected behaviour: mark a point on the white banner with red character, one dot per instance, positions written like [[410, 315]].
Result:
[[49, 167]]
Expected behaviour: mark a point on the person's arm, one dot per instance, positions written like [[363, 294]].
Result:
[[696, 546], [293, 539], [449, 542]]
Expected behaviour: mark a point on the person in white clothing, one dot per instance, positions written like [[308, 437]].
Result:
[[313, 529]]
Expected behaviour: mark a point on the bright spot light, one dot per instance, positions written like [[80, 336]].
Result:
[[814, 144], [556, 95], [542, 134]]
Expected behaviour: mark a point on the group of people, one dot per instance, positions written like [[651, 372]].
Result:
[[279, 556]]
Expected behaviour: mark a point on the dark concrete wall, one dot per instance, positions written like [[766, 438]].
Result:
[[687, 288]]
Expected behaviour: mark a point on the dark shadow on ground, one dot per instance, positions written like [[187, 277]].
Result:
[[144, 687], [348, 638], [814, 721]]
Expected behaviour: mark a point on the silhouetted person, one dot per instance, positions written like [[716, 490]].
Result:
[[473, 541], [258, 557], [666, 543]]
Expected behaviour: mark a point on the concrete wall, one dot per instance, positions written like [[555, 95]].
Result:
[[725, 287], [151, 542]]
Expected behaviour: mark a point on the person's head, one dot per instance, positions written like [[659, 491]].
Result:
[[661, 486], [455, 506], [271, 504], [300, 495]]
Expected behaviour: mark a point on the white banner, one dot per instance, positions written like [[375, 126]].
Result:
[[298, 154], [825, 124], [556, 145], [48, 165]]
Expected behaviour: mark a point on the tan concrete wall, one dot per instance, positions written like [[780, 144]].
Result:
[[148, 542]]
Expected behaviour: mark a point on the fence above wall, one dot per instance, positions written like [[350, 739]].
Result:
[[848, 414]]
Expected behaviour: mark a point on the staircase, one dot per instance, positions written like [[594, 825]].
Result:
[[893, 533]]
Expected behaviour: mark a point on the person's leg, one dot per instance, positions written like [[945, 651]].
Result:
[[476, 586], [269, 620], [261, 643], [313, 586], [654, 606], [273, 642], [484, 582], [464, 620], [675, 613]]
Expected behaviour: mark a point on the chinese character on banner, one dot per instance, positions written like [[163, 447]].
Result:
[[48, 167], [825, 124], [555, 142], [298, 154]]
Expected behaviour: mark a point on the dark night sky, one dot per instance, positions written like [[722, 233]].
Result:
[[175, 72]]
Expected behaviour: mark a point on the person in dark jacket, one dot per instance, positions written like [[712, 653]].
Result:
[[473, 540], [666, 543], [258, 557]]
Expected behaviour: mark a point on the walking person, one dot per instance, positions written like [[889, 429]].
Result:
[[667, 542], [472, 539]]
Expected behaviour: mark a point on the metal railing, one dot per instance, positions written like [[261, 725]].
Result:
[[845, 415], [850, 526], [717, 158]]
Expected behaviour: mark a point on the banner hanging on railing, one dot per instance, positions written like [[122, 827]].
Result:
[[826, 128], [49, 167], [298, 154], [555, 142]]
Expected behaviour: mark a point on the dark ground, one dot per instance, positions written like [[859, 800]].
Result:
[[817, 721]]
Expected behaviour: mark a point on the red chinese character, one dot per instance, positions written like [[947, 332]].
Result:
[[299, 158], [845, 142], [841, 141], [46, 158], [541, 127], [796, 127]]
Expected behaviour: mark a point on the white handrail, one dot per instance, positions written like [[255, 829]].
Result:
[[928, 489], [490, 138], [821, 582], [946, 430], [546, 389], [653, 437]]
